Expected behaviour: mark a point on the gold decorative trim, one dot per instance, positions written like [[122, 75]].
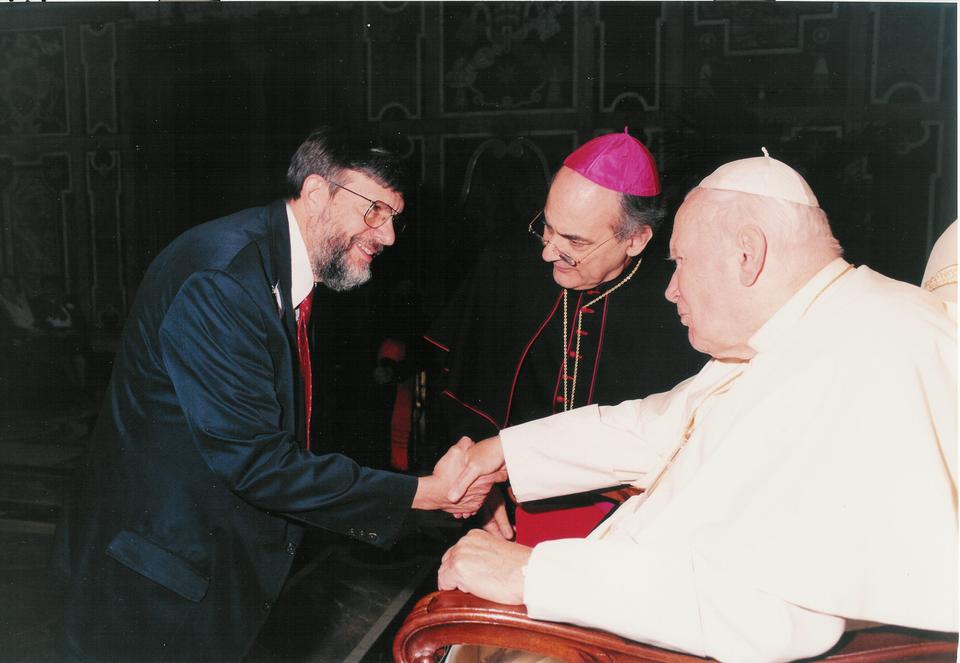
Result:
[[946, 276]]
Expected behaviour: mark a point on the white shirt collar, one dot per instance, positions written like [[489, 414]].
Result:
[[301, 274], [791, 312]]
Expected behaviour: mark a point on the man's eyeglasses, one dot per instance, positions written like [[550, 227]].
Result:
[[565, 257], [378, 213]]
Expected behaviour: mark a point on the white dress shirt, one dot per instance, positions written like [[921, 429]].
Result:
[[301, 272]]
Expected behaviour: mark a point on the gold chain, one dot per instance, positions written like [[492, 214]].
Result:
[[946, 276], [568, 404]]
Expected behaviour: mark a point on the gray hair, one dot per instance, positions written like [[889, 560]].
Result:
[[328, 151], [639, 211]]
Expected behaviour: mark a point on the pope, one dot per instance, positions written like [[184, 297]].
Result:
[[803, 482]]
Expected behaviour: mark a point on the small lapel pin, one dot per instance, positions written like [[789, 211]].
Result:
[[276, 295]]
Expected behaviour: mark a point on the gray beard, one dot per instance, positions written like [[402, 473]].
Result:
[[333, 270]]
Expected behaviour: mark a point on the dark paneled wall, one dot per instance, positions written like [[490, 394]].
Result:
[[121, 125]]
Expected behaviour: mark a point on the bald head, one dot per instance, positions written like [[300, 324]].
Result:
[[739, 257]]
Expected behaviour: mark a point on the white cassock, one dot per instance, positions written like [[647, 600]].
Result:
[[817, 485]]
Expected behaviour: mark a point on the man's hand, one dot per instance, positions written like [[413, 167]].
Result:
[[433, 492], [485, 457], [493, 515], [485, 566]]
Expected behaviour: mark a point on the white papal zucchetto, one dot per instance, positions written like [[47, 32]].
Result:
[[762, 176]]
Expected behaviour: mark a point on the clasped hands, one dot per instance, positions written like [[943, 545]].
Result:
[[483, 563], [462, 479]]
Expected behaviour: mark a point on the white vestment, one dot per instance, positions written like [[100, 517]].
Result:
[[817, 485]]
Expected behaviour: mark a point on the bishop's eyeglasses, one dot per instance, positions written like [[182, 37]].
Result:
[[565, 257], [378, 213]]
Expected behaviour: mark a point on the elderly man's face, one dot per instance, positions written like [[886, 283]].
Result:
[[340, 243], [578, 217], [705, 284]]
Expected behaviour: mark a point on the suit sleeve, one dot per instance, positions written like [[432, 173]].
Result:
[[214, 343]]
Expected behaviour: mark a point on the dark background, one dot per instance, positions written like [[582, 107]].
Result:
[[123, 124]]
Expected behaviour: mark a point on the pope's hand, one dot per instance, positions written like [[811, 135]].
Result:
[[482, 458], [486, 566], [493, 516], [433, 491]]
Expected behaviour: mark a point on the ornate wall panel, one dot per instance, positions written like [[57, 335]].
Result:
[[393, 34], [494, 185], [907, 75], [190, 110], [107, 236], [628, 55], [508, 56], [906, 166], [33, 216], [755, 28], [33, 82], [506, 176], [766, 55], [99, 52]]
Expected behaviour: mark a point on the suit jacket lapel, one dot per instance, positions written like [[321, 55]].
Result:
[[278, 232], [277, 266]]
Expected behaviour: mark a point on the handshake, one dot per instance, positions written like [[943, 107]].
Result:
[[484, 562], [462, 479]]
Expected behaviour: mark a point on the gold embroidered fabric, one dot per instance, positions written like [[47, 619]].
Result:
[[946, 276]]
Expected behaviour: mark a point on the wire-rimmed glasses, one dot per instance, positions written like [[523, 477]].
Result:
[[565, 257], [378, 213]]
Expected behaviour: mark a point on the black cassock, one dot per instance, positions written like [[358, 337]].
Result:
[[502, 343]]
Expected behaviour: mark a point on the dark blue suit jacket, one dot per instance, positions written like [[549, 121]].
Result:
[[195, 489]]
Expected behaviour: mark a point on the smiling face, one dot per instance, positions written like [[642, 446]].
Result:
[[705, 285], [340, 244], [578, 217]]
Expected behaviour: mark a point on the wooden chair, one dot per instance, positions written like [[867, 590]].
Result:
[[444, 618]]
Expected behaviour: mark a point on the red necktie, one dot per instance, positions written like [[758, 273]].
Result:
[[303, 346]]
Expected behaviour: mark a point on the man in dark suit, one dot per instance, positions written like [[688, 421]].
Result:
[[199, 479]]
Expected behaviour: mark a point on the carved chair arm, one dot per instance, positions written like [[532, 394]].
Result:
[[445, 618], [453, 617]]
